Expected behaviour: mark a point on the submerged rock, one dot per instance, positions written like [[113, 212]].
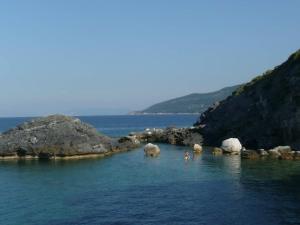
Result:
[[217, 151], [231, 146], [151, 150], [250, 154], [57, 136]]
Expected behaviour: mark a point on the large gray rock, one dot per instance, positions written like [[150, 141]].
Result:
[[57, 135]]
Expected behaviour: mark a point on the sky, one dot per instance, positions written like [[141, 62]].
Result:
[[81, 57]]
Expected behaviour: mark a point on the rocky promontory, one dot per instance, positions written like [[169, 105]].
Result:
[[59, 136], [262, 114]]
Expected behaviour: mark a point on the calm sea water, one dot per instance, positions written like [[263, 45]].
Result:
[[119, 125], [129, 188]]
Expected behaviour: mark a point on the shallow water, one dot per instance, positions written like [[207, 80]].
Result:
[[129, 188]]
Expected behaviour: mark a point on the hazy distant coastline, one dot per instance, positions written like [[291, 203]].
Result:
[[195, 103], [153, 114]]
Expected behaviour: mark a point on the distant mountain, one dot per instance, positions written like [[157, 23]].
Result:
[[193, 103]]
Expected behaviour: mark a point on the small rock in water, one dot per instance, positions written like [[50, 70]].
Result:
[[274, 153], [217, 151], [151, 150], [297, 155], [250, 154], [232, 146], [198, 148], [281, 152], [262, 152], [283, 149]]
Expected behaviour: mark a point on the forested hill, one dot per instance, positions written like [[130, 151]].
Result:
[[193, 103]]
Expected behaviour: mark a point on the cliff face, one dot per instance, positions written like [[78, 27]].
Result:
[[262, 113]]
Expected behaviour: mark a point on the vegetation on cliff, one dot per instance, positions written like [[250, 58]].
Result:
[[262, 113], [193, 103]]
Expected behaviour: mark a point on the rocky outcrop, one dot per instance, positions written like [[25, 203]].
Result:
[[174, 136], [59, 136], [151, 150], [262, 113], [231, 146]]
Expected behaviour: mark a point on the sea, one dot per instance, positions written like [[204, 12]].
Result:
[[129, 188]]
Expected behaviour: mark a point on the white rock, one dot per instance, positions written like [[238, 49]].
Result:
[[197, 148], [232, 145], [151, 150]]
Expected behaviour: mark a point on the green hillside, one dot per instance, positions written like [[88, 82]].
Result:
[[193, 103]]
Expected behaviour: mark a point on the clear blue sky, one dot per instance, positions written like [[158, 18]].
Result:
[[110, 57]]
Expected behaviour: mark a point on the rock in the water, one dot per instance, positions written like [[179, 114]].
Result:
[[297, 155], [129, 142], [151, 150], [262, 152], [282, 152], [250, 154], [274, 153], [171, 135], [231, 146], [283, 149], [198, 148], [217, 151], [56, 136]]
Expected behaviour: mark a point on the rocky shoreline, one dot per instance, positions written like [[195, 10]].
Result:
[[232, 146], [62, 137], [170, 135]]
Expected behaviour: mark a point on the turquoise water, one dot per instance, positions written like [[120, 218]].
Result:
[[129, 188]]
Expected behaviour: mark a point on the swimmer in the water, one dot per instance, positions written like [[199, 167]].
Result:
[[186, 156]]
